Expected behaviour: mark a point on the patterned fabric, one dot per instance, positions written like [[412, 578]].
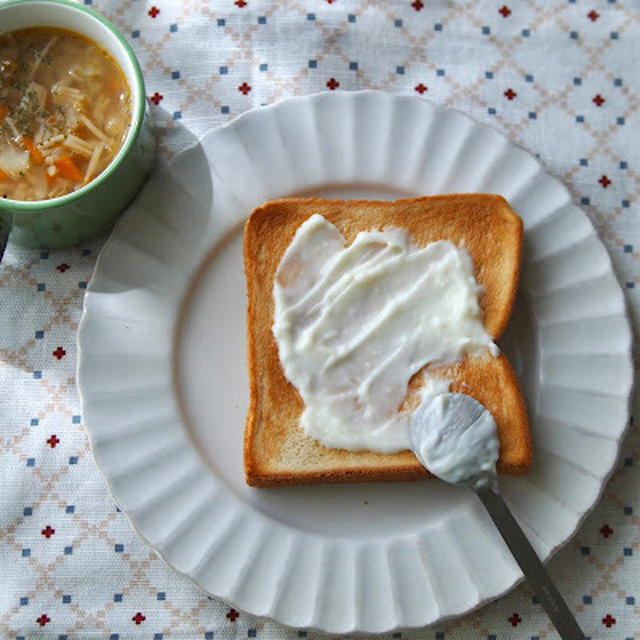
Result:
[[558, 77]]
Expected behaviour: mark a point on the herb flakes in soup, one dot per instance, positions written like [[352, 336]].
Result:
[[65, 111]]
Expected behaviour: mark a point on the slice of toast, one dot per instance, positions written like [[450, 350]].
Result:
[[276, 449]]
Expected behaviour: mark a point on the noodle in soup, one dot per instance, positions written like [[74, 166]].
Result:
[[65, 111]]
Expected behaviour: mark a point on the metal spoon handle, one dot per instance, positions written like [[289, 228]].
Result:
[[531, 566]]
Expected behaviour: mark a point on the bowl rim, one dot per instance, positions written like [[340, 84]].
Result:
[[136, 118]]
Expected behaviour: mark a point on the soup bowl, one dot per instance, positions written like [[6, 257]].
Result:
[[91, 210]]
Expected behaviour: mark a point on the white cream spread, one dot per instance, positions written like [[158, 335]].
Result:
[[456, 438], [354, 323]]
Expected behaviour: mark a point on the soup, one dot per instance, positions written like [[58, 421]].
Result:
[[65, 111]]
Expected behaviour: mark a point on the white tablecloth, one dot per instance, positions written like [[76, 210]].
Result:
[[557, 77]]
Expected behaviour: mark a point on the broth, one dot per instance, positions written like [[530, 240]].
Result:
[[65, 111]]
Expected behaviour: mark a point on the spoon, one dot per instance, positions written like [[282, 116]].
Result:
[[455, 438]]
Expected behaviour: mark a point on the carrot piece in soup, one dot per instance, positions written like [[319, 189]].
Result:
[[67, 169], [3, 175], [36, 156]]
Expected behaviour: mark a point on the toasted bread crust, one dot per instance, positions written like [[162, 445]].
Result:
[[277, 452]]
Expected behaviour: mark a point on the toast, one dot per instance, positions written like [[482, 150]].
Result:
[[277, 451]]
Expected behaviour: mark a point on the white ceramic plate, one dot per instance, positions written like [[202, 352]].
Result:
[[162, 371]]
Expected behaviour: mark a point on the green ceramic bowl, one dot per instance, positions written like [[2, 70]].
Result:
[[91, 210]]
